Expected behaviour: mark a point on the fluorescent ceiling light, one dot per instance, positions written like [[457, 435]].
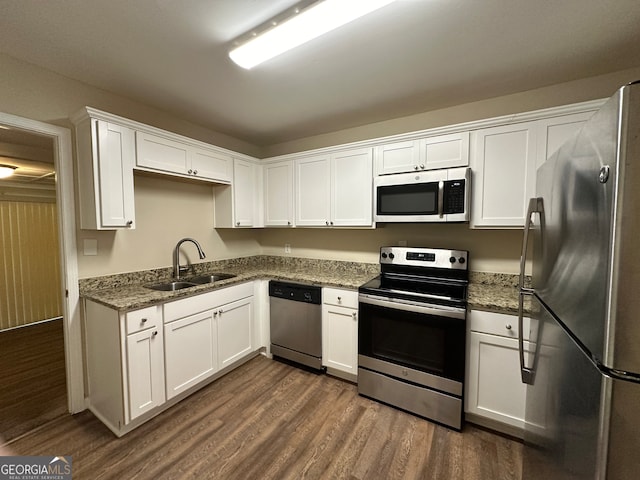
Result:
[[304, 25], [6, 170]]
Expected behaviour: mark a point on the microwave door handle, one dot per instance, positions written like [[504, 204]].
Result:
[[440, 199]]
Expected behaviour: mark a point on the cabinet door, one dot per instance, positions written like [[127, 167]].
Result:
[[190, 352], [444, 151], [504, 166], [243, 193], [553, 132], [494, 387], [160, 153], [211, 165], [313, 191], [278, 194], [397, 157], [352, 188], [116, 156], [235, 331], [145, 371], [340, 338]]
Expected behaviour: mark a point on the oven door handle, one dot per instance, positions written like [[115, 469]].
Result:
[[440, 311]]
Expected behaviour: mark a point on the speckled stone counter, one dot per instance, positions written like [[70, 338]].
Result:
[[127, 291], [496, 292]]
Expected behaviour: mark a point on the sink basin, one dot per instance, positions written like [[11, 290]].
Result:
[[210, 278], [171, 286]]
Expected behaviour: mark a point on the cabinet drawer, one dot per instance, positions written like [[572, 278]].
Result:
[[206, 301], [496, 324], [142, 319], [340, 297]]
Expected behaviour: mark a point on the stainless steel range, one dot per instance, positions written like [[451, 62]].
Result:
[[411, 333]]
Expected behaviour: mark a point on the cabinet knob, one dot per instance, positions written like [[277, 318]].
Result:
[[288, 223], [237, 224], [155, 333], [422, 167], [144, 320], [215, 314], [221, 311], [331, 223], [339, 299], [415, 167], [327, 222], [189, 171], [195, 172], [508, 326], [354, 315], [129, 223]]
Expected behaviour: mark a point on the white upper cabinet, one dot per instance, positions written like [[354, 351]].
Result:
[[106, 156], [443, 151], [278, 194], [158, 152], [352, 188], [503, 161], [335, 189], [239, 204], [554, 131], [211, 165], [313, 190]]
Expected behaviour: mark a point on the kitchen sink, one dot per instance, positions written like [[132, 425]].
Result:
[[190, 282], [210, 278], [171, 286]]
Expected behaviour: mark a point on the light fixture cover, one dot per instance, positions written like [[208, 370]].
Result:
[[6, 170], [319, 18]]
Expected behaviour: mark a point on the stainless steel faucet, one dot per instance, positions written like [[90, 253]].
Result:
[[177, 269]]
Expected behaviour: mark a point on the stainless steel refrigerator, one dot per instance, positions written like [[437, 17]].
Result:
[[581, 360]]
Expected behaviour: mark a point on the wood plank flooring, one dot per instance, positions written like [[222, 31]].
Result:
[[32, 377], [269, 420]]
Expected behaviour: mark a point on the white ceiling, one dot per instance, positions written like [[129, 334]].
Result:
[[411, 56]]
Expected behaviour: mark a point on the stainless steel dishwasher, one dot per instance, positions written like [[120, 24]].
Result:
[[296, 322]]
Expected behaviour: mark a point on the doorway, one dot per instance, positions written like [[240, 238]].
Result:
[[59, 138]]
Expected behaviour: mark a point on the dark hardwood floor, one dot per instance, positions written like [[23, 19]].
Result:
[[32, 377], [269, 420]]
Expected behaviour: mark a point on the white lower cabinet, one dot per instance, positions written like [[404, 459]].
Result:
[[494, 392], [235, 331], [144, 371], [125, 364], [189, 351], [340, 332], [140, 360]]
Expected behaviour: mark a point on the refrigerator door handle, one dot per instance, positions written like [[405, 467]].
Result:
[[535, 206], [527, 373]]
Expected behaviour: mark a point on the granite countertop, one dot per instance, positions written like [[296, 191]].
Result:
[[496, 292], [126, 292]]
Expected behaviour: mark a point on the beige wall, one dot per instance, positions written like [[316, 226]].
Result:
[[33, 92], [490, 250], [167, 210], [592, 88]]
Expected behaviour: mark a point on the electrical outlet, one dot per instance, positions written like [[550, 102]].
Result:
[[287, 248]]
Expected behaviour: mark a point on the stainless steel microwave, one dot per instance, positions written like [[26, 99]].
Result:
[[427, 196]]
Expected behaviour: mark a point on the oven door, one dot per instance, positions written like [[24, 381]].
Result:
[[423, 344]]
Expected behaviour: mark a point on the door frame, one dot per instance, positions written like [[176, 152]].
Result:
[[65, 204]]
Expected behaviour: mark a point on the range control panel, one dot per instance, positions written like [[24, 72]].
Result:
[[425, 257]]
